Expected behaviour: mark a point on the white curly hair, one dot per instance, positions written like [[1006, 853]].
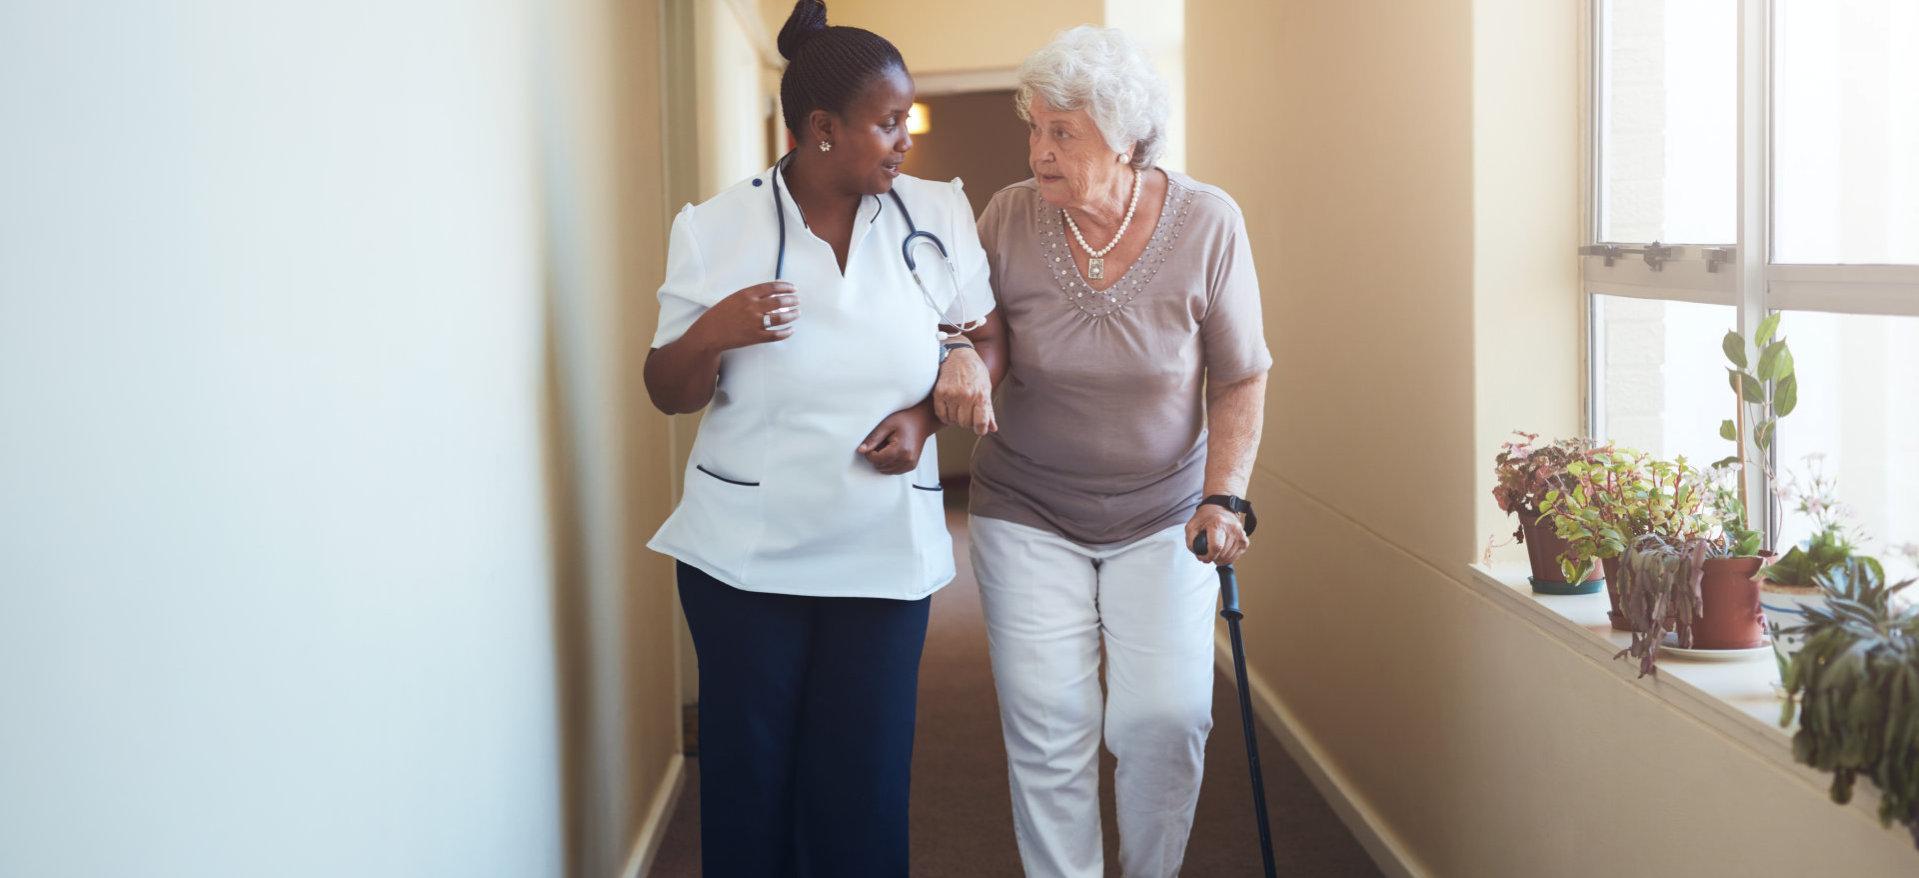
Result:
[[1105, 72]]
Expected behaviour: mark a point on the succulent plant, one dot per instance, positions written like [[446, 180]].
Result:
[[1855, 689]]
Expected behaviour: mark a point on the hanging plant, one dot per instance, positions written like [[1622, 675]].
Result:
[[1659, 583], [1661, 569], [1855, 688]]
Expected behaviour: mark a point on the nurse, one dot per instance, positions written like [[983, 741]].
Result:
[[810, 533]]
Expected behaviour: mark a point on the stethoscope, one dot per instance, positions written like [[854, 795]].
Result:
[[914, 238]]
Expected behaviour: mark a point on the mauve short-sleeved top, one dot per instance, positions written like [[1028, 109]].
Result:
[[1102, 433]]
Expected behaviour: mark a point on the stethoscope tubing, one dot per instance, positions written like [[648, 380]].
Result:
[[914, 235]]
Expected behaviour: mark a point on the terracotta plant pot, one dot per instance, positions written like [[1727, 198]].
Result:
[[1543, 548], [1729, 614]]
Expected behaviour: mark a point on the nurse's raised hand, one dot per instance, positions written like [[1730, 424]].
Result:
[[755, 315], [894, 446], [680, 374]]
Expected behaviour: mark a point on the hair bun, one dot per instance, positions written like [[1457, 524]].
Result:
[[807, 21]]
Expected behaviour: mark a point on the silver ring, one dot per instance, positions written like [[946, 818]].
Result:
[[766, 320]]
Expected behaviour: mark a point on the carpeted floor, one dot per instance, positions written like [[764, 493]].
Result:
[[962, 821]]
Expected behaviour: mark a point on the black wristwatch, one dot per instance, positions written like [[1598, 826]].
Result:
[[946, 348], [1236, 505]]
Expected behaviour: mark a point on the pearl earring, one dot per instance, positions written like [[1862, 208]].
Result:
[[825, 147]]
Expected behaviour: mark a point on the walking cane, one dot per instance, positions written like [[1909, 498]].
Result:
[[1229, 596]]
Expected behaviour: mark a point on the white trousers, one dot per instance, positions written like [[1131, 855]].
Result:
[[1049, 603]]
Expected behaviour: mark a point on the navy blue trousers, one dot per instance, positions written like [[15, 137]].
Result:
[[806, 730]]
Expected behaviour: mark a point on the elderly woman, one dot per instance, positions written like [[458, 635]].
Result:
[[1127, 426]]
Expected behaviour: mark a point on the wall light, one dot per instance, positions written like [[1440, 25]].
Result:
[[919, 119]]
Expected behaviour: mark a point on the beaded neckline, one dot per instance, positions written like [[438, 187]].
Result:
[[1058, 256]]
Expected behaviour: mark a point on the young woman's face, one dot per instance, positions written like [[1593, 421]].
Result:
[[871, 140]]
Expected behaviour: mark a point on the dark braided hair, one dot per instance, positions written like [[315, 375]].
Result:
[[827, 67]]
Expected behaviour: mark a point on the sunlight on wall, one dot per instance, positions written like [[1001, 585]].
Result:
[[1160, 25], [980, 35], [735, 103]]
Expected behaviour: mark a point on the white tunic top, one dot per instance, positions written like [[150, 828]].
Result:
[[777, 498]]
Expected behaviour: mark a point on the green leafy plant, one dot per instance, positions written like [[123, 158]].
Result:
[[1855, 689], [1597, 512], [1675, 501], [1830, 544], [1767, 389], [1621, 494], [1741, 541], [1764, 390]]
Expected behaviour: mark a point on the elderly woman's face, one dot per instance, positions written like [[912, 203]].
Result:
[[1069, 157]]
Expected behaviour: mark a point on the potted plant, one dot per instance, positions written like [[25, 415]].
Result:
[[1662, 567], [1855, 687], [1730, 613], [1764, 390], [1527, 475], [1600, 514], [1659, 589], [1790, 586]]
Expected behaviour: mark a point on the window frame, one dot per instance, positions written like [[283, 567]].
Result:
[[1749, 281]]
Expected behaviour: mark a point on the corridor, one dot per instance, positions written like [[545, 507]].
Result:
[[330, 467], [962, 822]]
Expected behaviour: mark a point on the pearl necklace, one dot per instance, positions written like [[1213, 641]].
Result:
[[1096, 259]]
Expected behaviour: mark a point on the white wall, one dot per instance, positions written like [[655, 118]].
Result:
[[274, 578]]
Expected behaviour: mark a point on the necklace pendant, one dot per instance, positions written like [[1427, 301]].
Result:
[[1095, 268]]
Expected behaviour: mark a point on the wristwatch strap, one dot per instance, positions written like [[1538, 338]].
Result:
[[946, 349], [1237, 505]]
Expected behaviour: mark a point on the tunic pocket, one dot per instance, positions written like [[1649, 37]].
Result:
[[702, 468], [926, 506], [719, 526]]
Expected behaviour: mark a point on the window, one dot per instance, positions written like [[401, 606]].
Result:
[[1846, 132], [1751, 157], [1669, 91]]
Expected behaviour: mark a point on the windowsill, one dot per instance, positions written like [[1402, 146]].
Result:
[[1737, 698]]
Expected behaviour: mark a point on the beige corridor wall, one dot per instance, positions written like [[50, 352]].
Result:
[[1382, 153], [602, 183], [948, 37]]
